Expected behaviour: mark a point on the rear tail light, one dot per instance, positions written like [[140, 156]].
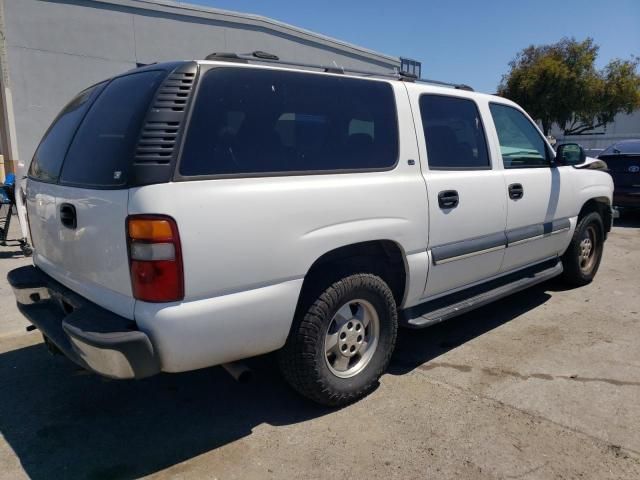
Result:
[[155, 258]]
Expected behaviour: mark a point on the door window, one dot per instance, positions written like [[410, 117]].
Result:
[[453, 133], [521, 144]]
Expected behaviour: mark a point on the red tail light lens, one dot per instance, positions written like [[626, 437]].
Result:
[[155, 258]]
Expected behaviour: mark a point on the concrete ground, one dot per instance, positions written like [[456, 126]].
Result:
[[545, 384]]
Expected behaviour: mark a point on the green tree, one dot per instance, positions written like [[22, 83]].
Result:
[[560, 83]]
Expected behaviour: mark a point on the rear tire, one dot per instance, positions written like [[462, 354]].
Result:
[[341, 344], [582, 258]]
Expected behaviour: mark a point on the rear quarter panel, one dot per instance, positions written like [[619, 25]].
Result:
[[250, 235]]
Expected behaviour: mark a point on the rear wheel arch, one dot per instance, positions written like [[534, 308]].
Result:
[[384, 258]]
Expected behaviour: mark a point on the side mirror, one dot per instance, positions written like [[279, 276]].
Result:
[[570, 154]]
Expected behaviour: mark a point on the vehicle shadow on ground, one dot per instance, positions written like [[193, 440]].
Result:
[[11, 254], [416, 347], [64, 423]]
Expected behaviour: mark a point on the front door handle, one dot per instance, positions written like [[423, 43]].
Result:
[[68, 216], [448, 199], [516, 191]]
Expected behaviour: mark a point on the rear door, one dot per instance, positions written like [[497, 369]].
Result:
[[467, 210], [77, 195]]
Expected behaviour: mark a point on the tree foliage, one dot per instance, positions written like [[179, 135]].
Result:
[[560, 83]]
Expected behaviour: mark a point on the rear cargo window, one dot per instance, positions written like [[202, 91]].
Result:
[[251, 121], [102, 150], [50, 154]]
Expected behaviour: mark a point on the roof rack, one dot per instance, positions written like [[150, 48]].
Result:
[[266, 57]]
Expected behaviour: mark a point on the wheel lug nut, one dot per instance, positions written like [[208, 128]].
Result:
[[349, 325]]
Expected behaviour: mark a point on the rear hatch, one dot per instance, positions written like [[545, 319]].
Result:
[[77, 192]]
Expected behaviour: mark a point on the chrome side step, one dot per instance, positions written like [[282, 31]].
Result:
[[436, 311]]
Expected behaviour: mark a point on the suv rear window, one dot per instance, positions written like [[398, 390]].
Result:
[[255, 121], [50, 154], [102, 149]]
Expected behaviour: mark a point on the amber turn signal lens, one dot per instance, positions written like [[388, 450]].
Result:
[[152, 230]]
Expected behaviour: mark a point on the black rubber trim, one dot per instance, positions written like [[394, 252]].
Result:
[[478, 244], [60, 313], [560, 224], [530, 231], [523, 233], [464, 247]]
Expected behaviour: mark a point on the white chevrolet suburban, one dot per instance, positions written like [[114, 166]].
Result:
[[197, 213]]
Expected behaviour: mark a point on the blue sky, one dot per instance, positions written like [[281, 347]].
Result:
[[459, 41]]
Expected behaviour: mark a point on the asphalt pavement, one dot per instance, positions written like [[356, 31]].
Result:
[[542, 385]]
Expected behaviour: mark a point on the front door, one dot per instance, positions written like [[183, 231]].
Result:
[[537, 193], [467, 206]]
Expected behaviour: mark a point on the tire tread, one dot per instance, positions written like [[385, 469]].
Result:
[[572, 273], [298, 359]]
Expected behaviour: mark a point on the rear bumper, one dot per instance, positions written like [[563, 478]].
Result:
[[87, 334]]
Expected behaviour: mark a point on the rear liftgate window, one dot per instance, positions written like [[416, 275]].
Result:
[[47, 161], [250, 121], [102, 149]]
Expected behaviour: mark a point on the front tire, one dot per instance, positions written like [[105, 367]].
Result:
[[340, 346], [582, 259]]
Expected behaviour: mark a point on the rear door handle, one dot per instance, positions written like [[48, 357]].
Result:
[[516, 191], [68, 216], [448, 199]]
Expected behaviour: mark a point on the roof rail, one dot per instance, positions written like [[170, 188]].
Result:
[[266, 57]]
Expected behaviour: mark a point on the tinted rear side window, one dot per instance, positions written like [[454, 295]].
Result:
[[453, 133], [50, 154], [254, 121], [102, 150]]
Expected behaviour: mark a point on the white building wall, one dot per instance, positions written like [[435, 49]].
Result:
[[56, 48], [624, 127]]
